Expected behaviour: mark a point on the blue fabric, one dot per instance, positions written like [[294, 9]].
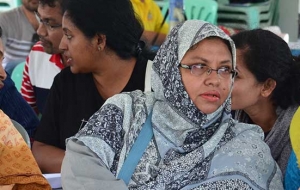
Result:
[[292, 175], [13, 104], [137, 151], [295, 52]]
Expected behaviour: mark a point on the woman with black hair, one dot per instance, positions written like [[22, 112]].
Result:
[[267, 89], [102, 45]]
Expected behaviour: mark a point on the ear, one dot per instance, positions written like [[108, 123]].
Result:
[[268, 87], [99, 41]]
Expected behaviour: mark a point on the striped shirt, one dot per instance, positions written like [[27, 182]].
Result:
[[17, 35], [39, 72]]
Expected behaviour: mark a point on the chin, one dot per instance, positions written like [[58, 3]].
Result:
[[74, 70]]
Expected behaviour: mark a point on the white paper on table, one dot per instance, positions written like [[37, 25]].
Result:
[[54, 179]]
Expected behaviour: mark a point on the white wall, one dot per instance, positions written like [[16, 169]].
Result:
[[288, 18]]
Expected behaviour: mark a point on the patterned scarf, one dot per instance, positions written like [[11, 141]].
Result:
[[17, 164], [278, 139], [188, 148]]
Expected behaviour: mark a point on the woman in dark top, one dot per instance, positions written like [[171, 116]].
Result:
[[266, 89], [102, 44]]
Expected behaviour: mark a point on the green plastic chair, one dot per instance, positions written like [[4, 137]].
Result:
[[164, 7], [17, 75], [201, 10], [22, 131], [6, 5], [248, 16]]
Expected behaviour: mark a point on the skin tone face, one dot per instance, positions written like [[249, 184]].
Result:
[[80, 51], [2, 71], [31, 5], [245, 83], [208, 92], [50, 38]]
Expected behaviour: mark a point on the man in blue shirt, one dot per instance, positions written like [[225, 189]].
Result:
[[11, 101]]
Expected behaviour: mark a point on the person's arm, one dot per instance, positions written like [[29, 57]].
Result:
[[49, 158], [83, 169], [27, 88], [13, 105], [47, 138]]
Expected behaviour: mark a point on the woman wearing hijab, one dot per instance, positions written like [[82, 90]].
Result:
[[195, 143]]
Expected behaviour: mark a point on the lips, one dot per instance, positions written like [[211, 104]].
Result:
[[69, 61], [44, 42], [211, 96]]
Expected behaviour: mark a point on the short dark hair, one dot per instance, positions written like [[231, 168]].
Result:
[[51, 3], [113, 18], [266, 55]]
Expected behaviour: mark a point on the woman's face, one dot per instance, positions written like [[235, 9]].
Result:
[[207, 91], [2, 71], [246, 89], [80, 52]]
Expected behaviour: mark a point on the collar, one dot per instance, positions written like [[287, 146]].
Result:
[[57, 60]]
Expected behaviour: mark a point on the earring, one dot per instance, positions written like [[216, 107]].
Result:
[[99, 48]]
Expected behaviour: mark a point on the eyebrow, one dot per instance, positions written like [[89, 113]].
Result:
[[45, 19], [205, 60], [66, 30]]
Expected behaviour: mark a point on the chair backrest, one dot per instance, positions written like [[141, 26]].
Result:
[[247, 16], [22, 131], [164, 7], [6, 5], [201, 10], [17, 75]]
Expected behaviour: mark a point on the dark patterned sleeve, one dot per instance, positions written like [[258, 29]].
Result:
[[103, 134]]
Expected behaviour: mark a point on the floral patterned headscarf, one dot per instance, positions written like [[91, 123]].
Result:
[[189, 147]]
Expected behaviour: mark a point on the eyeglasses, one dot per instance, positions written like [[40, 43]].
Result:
[[49, 27], [199, 69]]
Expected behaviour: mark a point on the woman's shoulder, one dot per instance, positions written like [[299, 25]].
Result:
[[118, 112], [249, 158]]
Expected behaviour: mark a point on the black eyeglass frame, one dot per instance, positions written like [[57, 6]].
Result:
[[46, 23], [233, 72]]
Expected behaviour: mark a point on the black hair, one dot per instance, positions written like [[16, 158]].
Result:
[[51, 3], [115, 19], [266, 56], [0, 31]]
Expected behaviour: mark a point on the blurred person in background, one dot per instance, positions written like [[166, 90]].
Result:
[[19, 27], [11, 101], [45, 60], [155, 25]]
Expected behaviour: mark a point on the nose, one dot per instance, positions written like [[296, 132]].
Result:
[[212, 78], [42, 31], [209, 71], [62, 44], [2, 72]]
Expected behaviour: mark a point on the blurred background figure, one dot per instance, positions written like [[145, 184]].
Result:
[[155, 26], [12, 103], [45, 60], [292, 176], [19, 33]]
